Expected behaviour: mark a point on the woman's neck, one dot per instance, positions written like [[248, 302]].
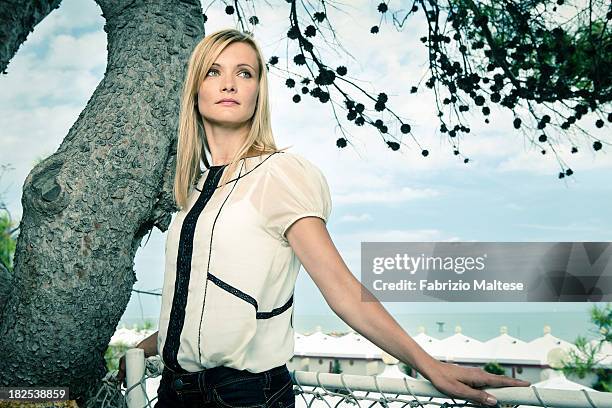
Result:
[[250, 153]]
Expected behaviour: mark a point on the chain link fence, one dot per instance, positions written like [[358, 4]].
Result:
[[327, 390]]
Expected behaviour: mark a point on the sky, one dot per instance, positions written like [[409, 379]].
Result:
[[507, 192]]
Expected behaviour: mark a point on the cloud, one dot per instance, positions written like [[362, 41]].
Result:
[[71, 16], [65, 75], [547, 164], [396, 195], [396, 235], [86, 52], [354, 218]]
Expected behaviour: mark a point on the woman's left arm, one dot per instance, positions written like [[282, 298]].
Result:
[[312, 244]]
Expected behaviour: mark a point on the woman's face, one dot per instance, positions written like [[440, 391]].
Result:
[[234, 75]]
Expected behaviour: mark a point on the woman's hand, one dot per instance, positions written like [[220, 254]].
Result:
[[149, 345], [463, 382], [121, 373]]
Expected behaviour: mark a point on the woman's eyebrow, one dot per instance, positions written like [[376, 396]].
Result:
[[239, 65]]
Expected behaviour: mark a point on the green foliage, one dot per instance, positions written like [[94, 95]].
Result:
[[337, 370], [551, 59], [494, 367], [146, 325], [115, 351], [113, 354], [7, 242], [585, 360], [405, 368], [7, 239], [546, 61], [604, 380], [602, 318], [336, 367]]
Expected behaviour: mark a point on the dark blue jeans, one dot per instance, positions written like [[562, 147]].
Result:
[[225, 387]]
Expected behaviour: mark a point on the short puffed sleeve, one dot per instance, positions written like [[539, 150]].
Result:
[[294, 188]]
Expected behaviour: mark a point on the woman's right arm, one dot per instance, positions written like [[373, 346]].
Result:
[[149, 345], [361, 310]]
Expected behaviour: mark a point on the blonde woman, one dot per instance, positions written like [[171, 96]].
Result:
[[245, 225]]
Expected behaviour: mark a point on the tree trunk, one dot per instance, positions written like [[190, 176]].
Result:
[[87, 207]]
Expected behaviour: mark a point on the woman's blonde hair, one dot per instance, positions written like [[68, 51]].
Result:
[[191, 135]]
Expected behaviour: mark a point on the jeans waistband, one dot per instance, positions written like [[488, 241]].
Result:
[[213, 376]]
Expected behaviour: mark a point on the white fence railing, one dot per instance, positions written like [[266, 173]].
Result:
[[336, 390]]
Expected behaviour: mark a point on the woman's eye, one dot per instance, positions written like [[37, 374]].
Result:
[[242, 72]]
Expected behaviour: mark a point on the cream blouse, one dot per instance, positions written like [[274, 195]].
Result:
[[229, 270]]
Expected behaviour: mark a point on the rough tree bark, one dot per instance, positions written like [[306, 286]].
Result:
[[87, 207]]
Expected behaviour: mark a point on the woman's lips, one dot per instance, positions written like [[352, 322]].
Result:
[[228, 103]]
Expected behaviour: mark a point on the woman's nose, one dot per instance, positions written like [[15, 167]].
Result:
[[229, 85]]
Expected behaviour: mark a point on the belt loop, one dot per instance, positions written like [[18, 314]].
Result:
[[201, 383], [203, 386], [267, 380]]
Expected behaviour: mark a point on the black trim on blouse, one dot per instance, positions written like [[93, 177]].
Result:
[[250, 299], [183, 271]]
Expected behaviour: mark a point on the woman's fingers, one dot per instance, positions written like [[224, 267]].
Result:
[[479, 396], [477, 377], [121, 374], [483, 379], [464, 382], [504, 381]]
